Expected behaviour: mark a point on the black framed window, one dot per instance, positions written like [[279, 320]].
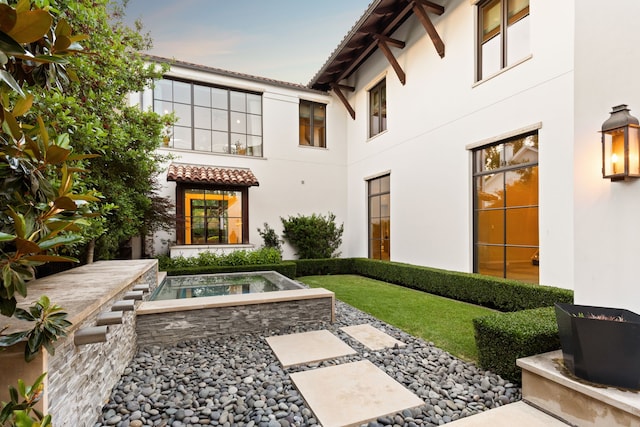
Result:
[[379, 196], [378, 108], [211, 119], [313, 118], [504, 35], [211, 215], [505, 182]]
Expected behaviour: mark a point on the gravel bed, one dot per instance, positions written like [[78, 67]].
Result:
[[237, 381]]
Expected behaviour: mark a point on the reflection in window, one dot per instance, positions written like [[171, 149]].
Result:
[[212, 217], [506, 209], [312, 124], [504, 35], [378, 109], [380, 218], [211, 119]]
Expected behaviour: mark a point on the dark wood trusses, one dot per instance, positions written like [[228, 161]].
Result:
[[374, 31]]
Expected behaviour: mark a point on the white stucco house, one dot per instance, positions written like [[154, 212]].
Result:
[[462, 135]]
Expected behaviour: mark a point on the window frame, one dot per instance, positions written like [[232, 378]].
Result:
[[231, 149], [500, 31], [370, 239], [506, 208], [380, 89], [312, 124], [181, 220]]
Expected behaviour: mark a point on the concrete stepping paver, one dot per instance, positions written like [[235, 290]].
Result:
[[307, 347], [370, 337], [514, 414], [352, 393]]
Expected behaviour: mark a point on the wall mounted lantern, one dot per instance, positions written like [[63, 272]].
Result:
[[620, 145]]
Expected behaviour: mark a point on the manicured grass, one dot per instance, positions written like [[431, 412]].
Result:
[[445, 322]]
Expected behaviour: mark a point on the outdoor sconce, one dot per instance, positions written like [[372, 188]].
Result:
[[620, 145]]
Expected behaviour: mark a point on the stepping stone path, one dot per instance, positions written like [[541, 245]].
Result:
[[346, 394]]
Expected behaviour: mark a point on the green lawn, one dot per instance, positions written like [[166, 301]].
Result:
[[445, 322]]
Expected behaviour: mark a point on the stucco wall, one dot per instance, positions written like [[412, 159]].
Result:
[[606, 226], [439, 113]]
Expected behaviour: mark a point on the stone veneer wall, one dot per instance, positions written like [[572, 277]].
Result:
[[173, 327], [80, 378]]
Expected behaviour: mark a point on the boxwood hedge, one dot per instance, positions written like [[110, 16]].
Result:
[[502, 338]]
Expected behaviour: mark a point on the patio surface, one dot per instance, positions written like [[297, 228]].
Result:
[[370, 337], [352, 393], [307, 347]]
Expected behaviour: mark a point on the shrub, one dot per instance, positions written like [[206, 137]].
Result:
[[318, 267], [207, 259], [492, 292], [286, 268], [502, 338], [270, 238], [314, 236]]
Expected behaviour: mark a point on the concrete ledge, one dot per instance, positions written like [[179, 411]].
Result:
[[91, 335], [109, 318], [173, 305], [134, 295], [548, 385], [124, 305]]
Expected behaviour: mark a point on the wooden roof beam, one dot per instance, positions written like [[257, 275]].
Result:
[[428, 26], [383, 45], [431, 6], [337, 89], [373, 45]]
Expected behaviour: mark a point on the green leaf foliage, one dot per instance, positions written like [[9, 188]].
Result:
[[314, 236], [502, 338], [97, 110]]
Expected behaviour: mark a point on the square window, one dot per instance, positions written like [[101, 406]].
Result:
[[214, 119]]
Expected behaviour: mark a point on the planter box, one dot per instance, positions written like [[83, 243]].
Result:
[[601, 351]]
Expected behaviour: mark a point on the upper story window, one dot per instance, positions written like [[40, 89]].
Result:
[[212, 119], [378, 108], [504, 35], [313, 117]]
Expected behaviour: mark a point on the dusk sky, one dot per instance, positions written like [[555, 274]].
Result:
[[286, 40]]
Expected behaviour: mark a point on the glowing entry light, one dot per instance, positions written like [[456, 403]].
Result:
[[620, 145]]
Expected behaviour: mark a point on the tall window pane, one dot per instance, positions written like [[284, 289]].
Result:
[[506, 209], [504, 34], [312, 121], [379, 218], [378, 109]]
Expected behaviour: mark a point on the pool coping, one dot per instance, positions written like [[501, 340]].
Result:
[[174, 305]]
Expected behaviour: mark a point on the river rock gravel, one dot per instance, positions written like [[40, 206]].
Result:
[[237, 381]]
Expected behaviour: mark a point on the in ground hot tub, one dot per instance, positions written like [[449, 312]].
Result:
[[214, 305], [209, 285]]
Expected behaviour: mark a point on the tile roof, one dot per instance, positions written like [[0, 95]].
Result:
[[181, 172], [220, 71]]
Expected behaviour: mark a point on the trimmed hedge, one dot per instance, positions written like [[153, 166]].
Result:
[[502, 338], [491, 292], [285, 268], [321, 267]]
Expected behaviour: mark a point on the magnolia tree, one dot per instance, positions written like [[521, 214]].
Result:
[[41, 209]]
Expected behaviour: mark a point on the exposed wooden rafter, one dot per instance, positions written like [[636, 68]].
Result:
[[418, 10], [383, 45], [431, 6], [337, 89]]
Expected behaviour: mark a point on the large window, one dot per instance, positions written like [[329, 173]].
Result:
[[378, 109], [211, 119], [506, 209], [504, 35], [312, 124], [380, 217], [209, 216]]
